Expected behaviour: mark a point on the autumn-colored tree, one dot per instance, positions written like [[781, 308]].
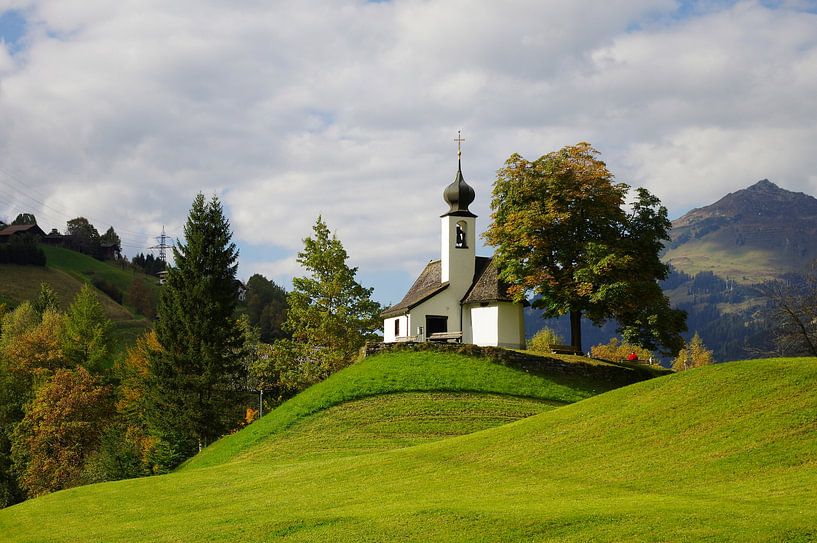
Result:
[[62, 426], [132, 403], [330, 313], [693, 355], [617, 350], [37, 350], [15, 392], [86, 339], [562, 234]]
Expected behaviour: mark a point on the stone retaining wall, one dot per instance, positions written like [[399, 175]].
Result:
[[540, 364]]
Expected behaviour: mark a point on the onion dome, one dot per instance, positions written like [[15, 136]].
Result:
[[459, 195]]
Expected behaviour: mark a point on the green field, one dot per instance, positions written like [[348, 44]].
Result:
[[376, 453]]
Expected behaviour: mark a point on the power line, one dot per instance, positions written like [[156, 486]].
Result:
[[163, 246], [22, 188]]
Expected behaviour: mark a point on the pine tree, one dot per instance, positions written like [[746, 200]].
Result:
[[193, 397]]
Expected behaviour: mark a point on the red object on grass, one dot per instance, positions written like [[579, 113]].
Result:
[[632, 357]]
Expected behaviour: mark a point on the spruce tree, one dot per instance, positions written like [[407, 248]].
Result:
[[193, 398]]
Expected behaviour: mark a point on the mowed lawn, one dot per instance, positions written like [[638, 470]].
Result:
[[723, 453]]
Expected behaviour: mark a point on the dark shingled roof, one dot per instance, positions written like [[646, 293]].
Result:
[[485, 287], [427, 285], [20, 228]]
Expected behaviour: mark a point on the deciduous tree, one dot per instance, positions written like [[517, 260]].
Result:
[[84, 237], [792, 312], [24, 218], [110, 237], [46, 299], [330, 313], [562, 234], [266, 307], [61, 428]]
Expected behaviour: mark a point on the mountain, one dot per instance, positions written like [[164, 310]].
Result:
[[719, 254], [747, 236]]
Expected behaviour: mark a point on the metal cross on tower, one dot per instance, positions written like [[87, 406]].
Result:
[[459, 139]]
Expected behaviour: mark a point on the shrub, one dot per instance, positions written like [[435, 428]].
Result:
[[617, 350], [693, 355], [543, 339]]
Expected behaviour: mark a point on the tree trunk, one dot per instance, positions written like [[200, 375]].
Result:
[[576, 330]]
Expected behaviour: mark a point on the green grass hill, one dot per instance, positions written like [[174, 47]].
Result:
[[66, 271], [441, 447]]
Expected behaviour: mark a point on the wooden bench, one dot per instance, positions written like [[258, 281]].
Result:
[[406, 339], [445, 336], [564, 349]]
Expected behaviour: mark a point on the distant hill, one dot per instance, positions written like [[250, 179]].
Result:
[[66, 271], [747, 236], [422, 447]]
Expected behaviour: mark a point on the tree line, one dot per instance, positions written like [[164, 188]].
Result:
[[73, 415]]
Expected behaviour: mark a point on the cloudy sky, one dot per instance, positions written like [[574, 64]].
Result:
[[122, 111]]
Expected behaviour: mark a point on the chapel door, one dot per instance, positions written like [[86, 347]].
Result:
[[435, 324]]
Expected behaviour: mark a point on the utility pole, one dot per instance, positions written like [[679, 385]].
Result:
[[162, 246]]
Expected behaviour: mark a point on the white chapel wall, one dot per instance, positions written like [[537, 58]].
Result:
[[484, 322], [388, 328], [444, 303], [511, 325]]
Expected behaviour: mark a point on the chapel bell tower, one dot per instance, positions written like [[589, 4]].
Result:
[[458, 241]]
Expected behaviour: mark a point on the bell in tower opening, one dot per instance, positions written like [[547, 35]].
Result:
[[460, 239]]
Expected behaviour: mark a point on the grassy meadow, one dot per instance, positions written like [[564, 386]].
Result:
[[429, 447]]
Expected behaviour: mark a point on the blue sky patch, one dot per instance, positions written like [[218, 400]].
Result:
[[12, 29]]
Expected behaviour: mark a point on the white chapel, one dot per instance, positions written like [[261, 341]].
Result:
[[458, 297]]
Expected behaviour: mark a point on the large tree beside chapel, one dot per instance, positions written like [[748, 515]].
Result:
[[563, 235], [193, 398]]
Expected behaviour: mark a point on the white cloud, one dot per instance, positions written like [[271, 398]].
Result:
[[124, 110]]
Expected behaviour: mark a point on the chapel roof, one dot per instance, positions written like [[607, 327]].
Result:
[[427, 285], [485, 287]]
